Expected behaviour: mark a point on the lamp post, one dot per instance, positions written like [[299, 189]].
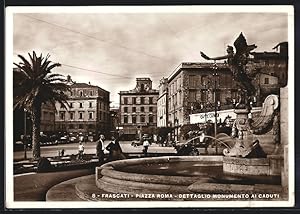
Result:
[[215, 75], [25, 137], [176, 127]]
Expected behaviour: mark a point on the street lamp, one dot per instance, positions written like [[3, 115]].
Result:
[[215, 75], [176, 127], [25, 137]]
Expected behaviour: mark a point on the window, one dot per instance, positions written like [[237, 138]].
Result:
[[90, 115], [142, 118], [150, 118], [125, 109], [193, 81], [62, 115], [142, 100], [150, 100], [81, 93], [192, 96], [125, 100], [91, 126], [71, 115], [133, 109], [150, 109], [71, 105], [125, 119], [266, 80], [91, 93], [133, 100], [80, 115], [142, 109], [80, 105], [133, 119], [80, 126], [91, 105]]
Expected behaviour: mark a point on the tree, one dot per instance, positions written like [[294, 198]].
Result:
[[36, 86]]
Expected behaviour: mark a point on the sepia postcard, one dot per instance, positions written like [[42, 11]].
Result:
[[149, 106]]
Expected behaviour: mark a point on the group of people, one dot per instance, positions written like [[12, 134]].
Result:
[[114, 148]]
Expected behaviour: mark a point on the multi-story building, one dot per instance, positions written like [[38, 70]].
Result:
[[274, 63], [273, 70], [192, 87], [87, 110], [138, 110], [162, 103]]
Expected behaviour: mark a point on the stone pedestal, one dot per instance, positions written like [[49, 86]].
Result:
[[244, 138]]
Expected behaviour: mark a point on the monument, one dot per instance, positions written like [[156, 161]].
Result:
[[247, 156]]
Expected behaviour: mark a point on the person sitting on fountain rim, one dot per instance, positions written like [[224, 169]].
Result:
[[115, 151]]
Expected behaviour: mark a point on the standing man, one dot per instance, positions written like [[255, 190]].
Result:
[[100, 148]]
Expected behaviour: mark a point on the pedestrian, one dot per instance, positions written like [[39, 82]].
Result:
[[100, 148], [146, 145], [80, 151], [115, 151]]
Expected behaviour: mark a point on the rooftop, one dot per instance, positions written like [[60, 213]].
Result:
[[85, 85], [194, 65]]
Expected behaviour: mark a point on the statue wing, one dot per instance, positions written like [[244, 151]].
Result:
[[204, 55], [240, 44]]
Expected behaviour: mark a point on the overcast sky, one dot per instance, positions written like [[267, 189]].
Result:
[[117, 48]]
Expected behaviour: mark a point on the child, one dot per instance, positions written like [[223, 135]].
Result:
[[146, 145]]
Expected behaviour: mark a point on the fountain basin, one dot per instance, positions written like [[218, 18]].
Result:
[[186, 174], [157, 175]]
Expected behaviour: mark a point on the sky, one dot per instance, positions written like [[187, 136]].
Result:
[[111, 50]]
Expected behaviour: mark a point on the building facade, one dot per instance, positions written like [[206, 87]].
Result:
[[274, 63], [138, 109], [162, 103], [87, 110], [192, 88]]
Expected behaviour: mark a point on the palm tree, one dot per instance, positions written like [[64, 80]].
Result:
[[36, 86]]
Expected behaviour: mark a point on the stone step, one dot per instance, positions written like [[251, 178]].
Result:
[[65, 191]]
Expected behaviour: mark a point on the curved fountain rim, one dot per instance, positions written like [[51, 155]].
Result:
[[111, 169], [165, 159]]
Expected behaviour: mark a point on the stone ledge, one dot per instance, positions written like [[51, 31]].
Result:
[[246, 161]]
